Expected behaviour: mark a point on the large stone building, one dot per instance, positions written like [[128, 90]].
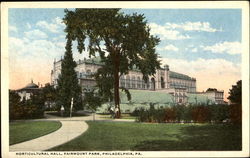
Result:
[[174, 83]]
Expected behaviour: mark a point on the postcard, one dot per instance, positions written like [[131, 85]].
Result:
[[125, 79]]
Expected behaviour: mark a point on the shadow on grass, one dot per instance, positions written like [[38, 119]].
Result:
[[74, 114], [222, 137]]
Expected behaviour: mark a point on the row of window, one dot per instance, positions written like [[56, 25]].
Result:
[[139, 84], [182, 84]]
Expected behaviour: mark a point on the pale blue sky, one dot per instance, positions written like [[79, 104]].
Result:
[[193, 41], [227, 21]]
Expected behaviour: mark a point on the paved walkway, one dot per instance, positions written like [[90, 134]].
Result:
[[70, 129]]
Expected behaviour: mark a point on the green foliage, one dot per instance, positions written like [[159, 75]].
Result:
[[235, 110], [182, 113], [104, 82], [127, 43], [219, 112], [49, 94], [235, 113], [27, 109], [151, 114], [170, 114], [201, 114], [235, 94], [92, 100], [68, 86], [14, 103], [127, 93]]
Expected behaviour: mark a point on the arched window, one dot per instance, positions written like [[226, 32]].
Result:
[[133, 81], [122, 81], [147, 83], [88, 72], [127, 82], [152, 83], [162, 83], [138, 82]]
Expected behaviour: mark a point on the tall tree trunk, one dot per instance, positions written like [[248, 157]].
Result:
[[116, 92], [116, 86]]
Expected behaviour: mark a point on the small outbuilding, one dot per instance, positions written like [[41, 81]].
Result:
[[28, 90]]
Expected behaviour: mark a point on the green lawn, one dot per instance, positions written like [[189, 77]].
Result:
[[27, 130], [107, 136]]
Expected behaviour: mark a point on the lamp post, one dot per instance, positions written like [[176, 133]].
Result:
[[71, 106]]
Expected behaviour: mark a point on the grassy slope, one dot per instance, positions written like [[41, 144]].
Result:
[[23, 131], [107, 136]]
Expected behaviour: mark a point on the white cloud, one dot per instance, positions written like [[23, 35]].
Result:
[[166, 33], [209, 73], [58, 21], [28, 25], [35, 34], [194, 50], [55, 27], [225, 47], [216, 66], [192, 26], [12, 28], [169, 48]]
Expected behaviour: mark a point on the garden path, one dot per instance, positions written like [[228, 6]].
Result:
[[71, 128]]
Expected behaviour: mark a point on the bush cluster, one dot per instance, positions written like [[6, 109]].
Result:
[[25, 109], [190, 113]]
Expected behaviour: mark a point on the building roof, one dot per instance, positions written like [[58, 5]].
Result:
[[30, 86], [146, 96], [177, 75], [143, 98]]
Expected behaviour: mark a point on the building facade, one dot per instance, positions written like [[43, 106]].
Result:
[[176, 84], [217, 96]]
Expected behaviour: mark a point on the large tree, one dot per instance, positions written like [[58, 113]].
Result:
[[68, 86], [122, 41], [235, 94]]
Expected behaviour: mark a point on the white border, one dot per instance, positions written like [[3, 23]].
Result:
[[177, 5]]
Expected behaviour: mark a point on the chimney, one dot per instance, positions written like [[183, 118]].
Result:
[[38, 84]]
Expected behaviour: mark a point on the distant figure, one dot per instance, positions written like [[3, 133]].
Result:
[[116, 111], [62, 110], [112, 112]]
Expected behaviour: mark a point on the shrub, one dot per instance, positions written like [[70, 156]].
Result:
[[151, 114], [170, 114], [235, 113], [142, 115], [29, 109], [159, 115], [219, 112], [201, 114], [135, 112], [187, 115]]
